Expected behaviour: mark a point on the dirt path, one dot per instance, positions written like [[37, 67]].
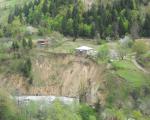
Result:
[[138, 66]]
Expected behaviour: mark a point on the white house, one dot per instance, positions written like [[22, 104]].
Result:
[[85, 50]]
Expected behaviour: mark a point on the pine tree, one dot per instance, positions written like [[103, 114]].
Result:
[[45, 7], [15, 46], [93, 30], [37, 2], [11, 18], [26, 69], [75, 16], [26, 10], [24, 43], [146, 26], [64, 25], [30, 44], [52, 8]]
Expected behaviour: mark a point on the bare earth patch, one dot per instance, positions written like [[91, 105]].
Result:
[[60, 75]]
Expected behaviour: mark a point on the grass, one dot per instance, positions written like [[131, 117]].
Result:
[[69, 46], [135, 78], [124, 64], [128, 71]]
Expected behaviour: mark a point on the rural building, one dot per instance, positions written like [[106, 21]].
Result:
[[84, 50], [42, 42]]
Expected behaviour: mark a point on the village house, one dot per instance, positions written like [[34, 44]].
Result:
[[42, 42], [85, 50]]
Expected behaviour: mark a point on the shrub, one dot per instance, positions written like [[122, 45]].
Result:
[[7, 108], [103, 52], [24, 43], [26, 68], [140, 47], [1, 33], [30, 43], [59, 111], [122, 52], [126, 42], [87, 113]]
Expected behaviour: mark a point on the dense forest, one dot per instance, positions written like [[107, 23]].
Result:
[[70, 17]]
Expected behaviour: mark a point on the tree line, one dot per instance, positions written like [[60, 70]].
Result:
[[70, 18]]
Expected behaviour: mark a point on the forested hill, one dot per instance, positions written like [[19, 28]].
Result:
[[104, 19]]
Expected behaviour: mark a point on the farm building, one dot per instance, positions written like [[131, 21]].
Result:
[[42, 42], [85, 50]]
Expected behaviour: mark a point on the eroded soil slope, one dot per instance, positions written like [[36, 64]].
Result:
[[60, 75]]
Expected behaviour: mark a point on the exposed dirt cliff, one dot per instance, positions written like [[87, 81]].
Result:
[[60, 75]]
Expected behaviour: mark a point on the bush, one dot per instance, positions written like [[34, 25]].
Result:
[[59, 111], [8, 111], [122, 52], [140, 47], [41, 32], [87, 113], [126, 42], [26, 68], [1, 33], [30, 43], [103, 52], [24, 43]]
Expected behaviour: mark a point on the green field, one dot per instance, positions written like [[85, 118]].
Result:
[[128, 71], [135, 78], [124, 64]]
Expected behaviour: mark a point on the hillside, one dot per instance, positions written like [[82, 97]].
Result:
[[59, 75], [6, 6], [95, 53], [103, 19]]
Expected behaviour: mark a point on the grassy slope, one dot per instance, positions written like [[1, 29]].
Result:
[[128, 71], [124, 69], [53, 74]]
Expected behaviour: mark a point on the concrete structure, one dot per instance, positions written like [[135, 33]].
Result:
[[44, 99]]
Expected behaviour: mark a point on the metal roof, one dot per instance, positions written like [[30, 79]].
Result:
[[84, 48]]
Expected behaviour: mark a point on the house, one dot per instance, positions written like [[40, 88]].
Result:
[[84, 50], [42, 42]]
